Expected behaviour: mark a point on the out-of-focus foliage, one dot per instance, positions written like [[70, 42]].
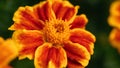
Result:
[[97, 11]]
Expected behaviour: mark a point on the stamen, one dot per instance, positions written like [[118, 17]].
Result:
[[56, 31]]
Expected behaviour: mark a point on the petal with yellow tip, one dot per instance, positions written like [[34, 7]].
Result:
[[64, 10], [84, 38], [48, 56], [73, 64], [44, 11], [80, 21], [25, 18], [28, 41], [77, 53]]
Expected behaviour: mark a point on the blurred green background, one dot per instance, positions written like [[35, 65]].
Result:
[[97, 11]]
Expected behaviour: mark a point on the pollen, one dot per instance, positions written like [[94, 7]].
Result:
[[56, 31]]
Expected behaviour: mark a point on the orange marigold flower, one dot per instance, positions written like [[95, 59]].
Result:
[[53, 35], [115, 38], [114, 21], [8, 52], [114, 18], [115, 8]]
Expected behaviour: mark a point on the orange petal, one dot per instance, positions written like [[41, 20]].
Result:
[[79, 22], [77, 53], [84, 38], [25, 18], [114, 21], [48, 56], [8, 52], [64, 10], [44, 11], [29, 40], [115, 38], [7, 66], [1, 40], [115, 8], [73, 64]]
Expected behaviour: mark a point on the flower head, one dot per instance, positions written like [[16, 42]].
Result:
[[115, 38], [114, 17], [8, 52], [53, 35], [114, 21]]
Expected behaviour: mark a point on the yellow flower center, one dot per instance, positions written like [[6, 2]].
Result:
[[56, 31]]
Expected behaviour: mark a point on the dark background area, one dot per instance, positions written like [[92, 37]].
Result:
[[97, 11]]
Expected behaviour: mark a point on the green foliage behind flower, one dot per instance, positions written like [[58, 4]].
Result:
[[97, 12]]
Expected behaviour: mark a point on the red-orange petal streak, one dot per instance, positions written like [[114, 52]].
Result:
[[64, 10], [73, 64], [29, 41], [44, 11], [77, 53], [79, 22], [48, 56], [25, 18], [84, 38]]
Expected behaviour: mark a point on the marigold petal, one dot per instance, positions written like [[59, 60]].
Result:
[[44, 11], [1, 40], [72, 64], [114, 21], [79, 22], [28, 41], [84, 38], [7, 66], [115, 38], [64, 10], [8, 52], [48, 56], [115, 8], [77, 53], [25, 18]]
